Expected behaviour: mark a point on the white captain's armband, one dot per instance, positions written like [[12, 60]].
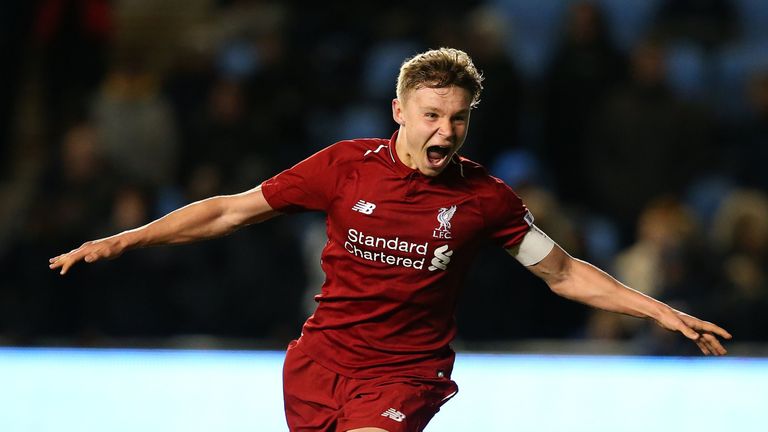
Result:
[[534, 247]]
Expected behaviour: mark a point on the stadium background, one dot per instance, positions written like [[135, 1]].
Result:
[[635, 130]]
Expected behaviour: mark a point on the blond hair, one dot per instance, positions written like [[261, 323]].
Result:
[[439, 68]]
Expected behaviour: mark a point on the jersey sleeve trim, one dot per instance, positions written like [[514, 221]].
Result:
[[271, 196]]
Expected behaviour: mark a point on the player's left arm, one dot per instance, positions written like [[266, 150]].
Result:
[[580, 281]]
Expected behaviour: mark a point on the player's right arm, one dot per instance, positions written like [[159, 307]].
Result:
[[205, 219]]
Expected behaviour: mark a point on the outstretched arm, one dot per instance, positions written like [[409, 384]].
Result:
[[580, 281], [205, 219]]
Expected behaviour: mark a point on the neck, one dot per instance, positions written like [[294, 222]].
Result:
[[402, 149]]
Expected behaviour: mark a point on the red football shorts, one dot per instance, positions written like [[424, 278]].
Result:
[[320, 400]]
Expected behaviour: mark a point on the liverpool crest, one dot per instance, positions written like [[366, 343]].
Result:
[[444, 216]]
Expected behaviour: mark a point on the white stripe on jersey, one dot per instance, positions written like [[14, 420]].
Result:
[[377, 150], [390, 153]]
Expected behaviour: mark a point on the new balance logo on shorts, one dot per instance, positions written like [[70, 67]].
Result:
[[364, 207], [394, 415]]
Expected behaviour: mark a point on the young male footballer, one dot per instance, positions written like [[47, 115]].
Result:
[[405, 218]]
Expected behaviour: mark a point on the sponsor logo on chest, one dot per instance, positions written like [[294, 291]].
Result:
[[397, 251]]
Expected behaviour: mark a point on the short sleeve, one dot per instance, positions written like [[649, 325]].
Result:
[[507, 218], [308, 185]]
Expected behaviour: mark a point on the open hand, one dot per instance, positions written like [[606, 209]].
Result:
[[106, 248], [704, 333]]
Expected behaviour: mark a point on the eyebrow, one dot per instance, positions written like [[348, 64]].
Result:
[[435, 109]]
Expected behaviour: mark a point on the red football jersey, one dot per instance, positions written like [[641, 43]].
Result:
[[399, 246]]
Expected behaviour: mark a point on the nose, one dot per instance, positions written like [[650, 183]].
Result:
[[445, 128]]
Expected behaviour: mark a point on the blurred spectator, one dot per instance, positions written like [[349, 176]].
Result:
[[136, 125], [395, 36], [322, 42], [664, 229], [741, 233], [77, 190], [229, 94], [73, 198], [697, 32], [15, 19], [644, 142], [223, 135], [74, 38], [585, 66], [496, 121], [187, 86], [669, 260], [741, 224], [128, 297], [744, 300], [746, 146], [277, 100], [254, 54]]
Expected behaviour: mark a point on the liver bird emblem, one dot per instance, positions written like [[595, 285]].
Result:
[[444, 216]]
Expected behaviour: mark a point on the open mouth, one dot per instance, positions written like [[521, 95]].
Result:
[[436, 155]]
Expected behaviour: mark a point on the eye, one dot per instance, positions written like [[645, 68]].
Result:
[[430, 115], [460, 119]]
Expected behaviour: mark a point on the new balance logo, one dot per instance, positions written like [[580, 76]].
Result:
[[441, 259], [364, 207], [394, 415]]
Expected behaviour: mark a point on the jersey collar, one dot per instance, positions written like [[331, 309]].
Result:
[[400, 168]]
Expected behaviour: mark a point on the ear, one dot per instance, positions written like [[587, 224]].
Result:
[[397, 112]]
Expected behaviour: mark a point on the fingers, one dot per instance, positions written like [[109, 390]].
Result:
[[713, 345], [703, 347], [706, 337], [707, 342], [709, 345], [713, 328], [59, 257], [705, 326], [689, 332], [65, 261], [57, 262]]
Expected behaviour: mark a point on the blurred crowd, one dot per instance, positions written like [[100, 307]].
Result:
[[636, 131]]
